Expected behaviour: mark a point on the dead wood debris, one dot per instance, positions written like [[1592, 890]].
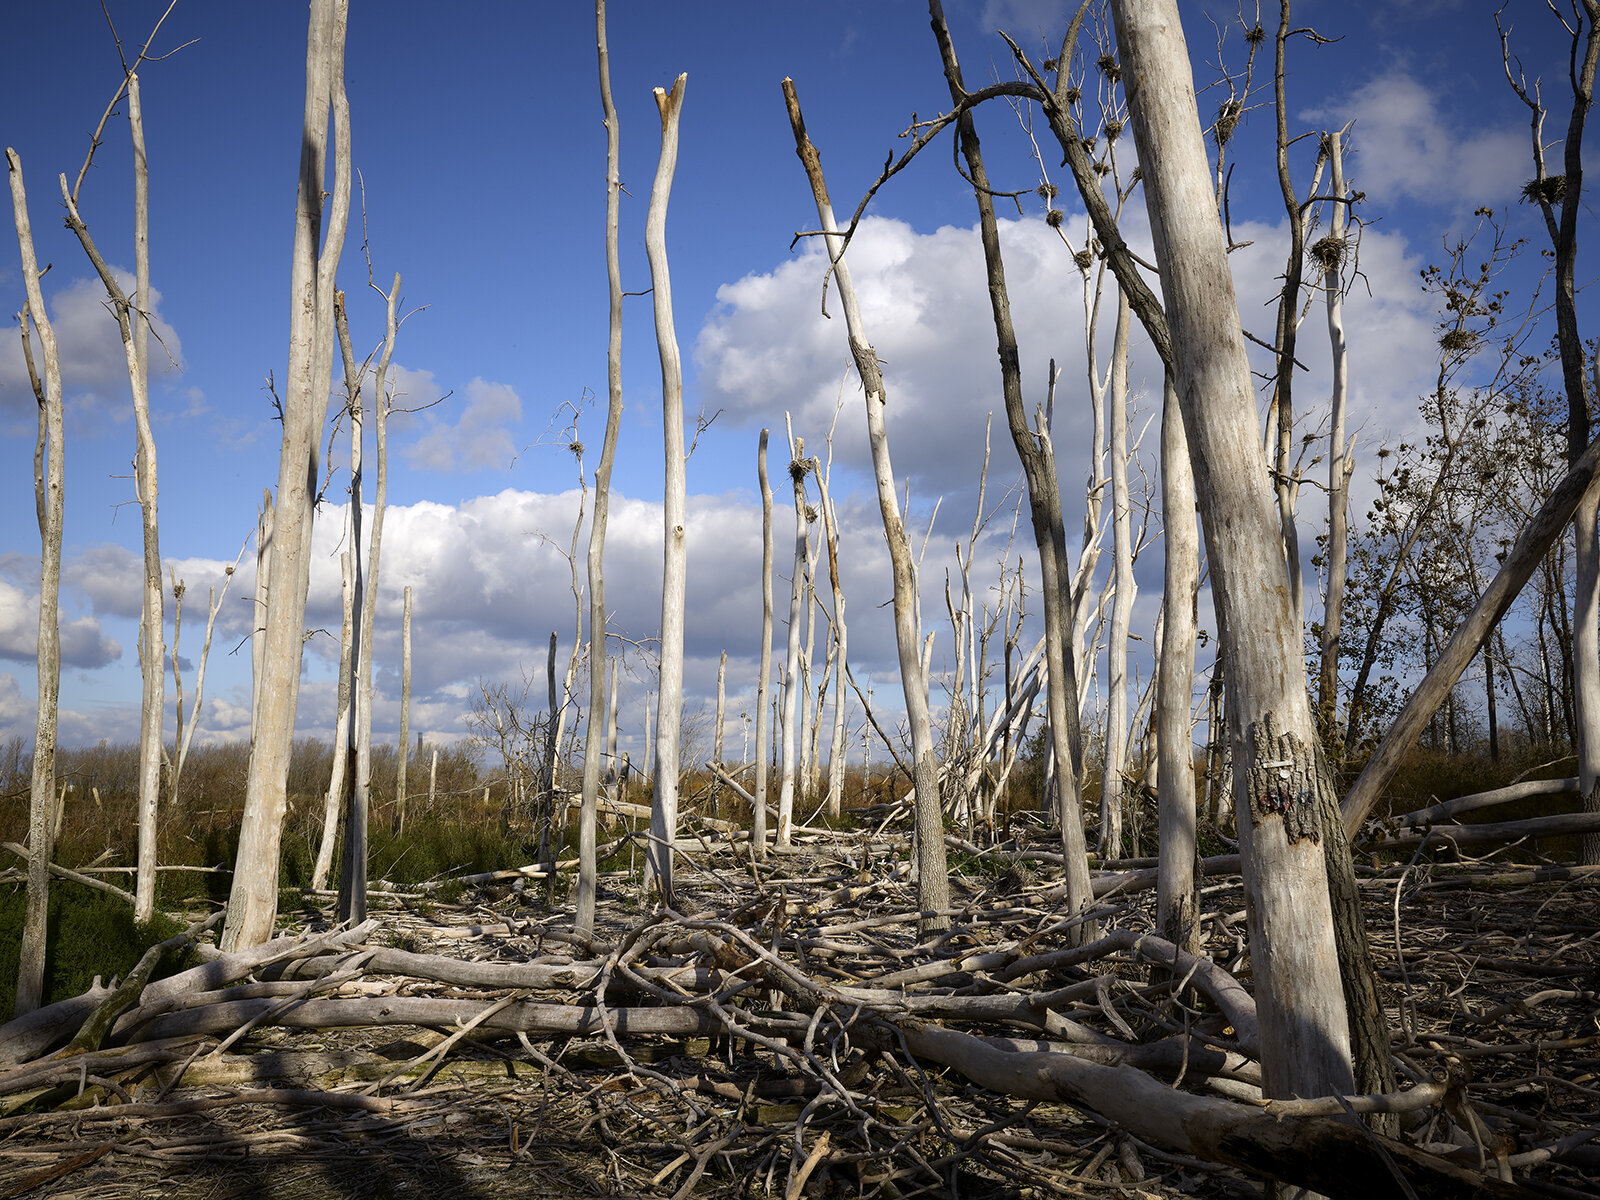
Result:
[[786, 1034]]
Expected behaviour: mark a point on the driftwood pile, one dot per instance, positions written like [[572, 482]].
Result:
[[785, 1032]]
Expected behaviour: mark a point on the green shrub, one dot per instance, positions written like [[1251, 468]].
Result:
[[90, 933]]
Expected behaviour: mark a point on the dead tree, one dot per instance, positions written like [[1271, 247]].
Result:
[[588, 813], [253, 902], [758, 828], [1044, 502], [793, 690], [674, 514], [405, 714], [49, 495], [933, 883], [1565, 192], [1278, 776]]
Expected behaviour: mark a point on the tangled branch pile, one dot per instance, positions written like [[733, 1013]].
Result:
[[788, 1033]]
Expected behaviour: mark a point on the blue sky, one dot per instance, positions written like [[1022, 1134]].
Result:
[[477, 131]]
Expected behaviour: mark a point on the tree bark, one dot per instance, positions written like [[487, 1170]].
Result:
[[793, 690], [758, 828], [674, 577], [588, 815], [253, 902], [1177, 899], [405, 714], [51, 496], [1340, 464], [1116, 744], [933, 882], [1277, 774]]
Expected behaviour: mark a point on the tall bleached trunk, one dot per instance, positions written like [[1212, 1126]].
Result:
[[333, 799], [1116, 764], [588, 812], [793, 688], [1177, 901], [253, 901], [1340, 462], [49, 497], [1279, 779], [405, 715], [674, 566], [758, 827], [933, 882], [1044, 505], [836, 753]]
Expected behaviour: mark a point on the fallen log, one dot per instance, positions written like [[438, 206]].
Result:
[[1494, 833], [1490, 799], [1339, 1158]]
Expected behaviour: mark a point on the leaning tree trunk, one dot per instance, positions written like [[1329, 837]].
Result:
[[933, 881], [1278, 777], [674, 514], [50, 496], [253, 901], [333, 800], [588, 812], [836, 753], [1044, 504]]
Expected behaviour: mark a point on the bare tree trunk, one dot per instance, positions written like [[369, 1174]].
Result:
[[1277, 774], [588, 813], [933, 882], [793, 691], [405, 714], [1116, 751], [184, 733], [548, 808], [1044, 502], [333, 801], [674, 569], [1340, 463], [258, 625], [352, 902], [253, 902], [152, 651], [758, 828], [836, 754], [1177, 901], [50, 496]]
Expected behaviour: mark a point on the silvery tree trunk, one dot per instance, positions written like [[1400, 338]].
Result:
[[1116, 743], [1177, 901], [758, 827], [1044, 503], [793, 689], [253, 901], [836, 754], [588, 812], [258, 624], [933, 881], [50, 496], [674, 515], [1279, 779], [1340, 463], [133, 325], [333, 800], [405, 715]]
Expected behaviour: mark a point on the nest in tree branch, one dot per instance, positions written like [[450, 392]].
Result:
[[1551, 190], [1109, 67], [1054, 217], [1074, 95], [1457, 341], [1113, 130], [1227, 121], [798, 469], [1328, 253], [1084, 258]]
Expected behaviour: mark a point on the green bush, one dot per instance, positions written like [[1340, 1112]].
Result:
[[90, 933]]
